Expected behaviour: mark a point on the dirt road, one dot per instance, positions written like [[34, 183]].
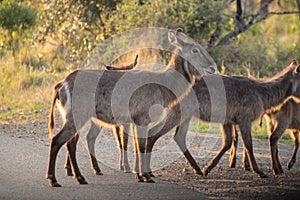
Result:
[[222, 183]]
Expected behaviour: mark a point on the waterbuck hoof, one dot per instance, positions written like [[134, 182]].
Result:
[[146, 178], [205, 171], [54, 183], [126, 169], [149, 181], [81, 180], [277, 171], [262, 175], [232, 164], [69, 171], [138, 178], [98, 173], [247, 169], [198, 172], [290, 164], [151, 174]]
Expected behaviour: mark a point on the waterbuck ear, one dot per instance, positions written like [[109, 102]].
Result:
[[294, 62], [173, 39], [136, 61], [179, 30]]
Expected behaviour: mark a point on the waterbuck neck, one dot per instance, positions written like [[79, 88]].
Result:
[[177, 63], [275, 91]]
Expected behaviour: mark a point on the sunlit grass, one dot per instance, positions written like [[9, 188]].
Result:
[[258, 132], [24, 92]]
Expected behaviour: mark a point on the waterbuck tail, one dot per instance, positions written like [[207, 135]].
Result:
[[51, 123]]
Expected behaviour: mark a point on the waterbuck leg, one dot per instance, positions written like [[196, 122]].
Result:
[[227, 141], [232, 158], [72, 146], [141, 134], [91, 139], [296, 137], [149, 147], [136, 170], [245, 160], [117, 132], [64, 135], [124, 140], [273, 141], [245, 129], [68, 166], [180, 139]]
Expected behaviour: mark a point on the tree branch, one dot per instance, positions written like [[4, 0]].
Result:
[[240, 26], [284, 13]]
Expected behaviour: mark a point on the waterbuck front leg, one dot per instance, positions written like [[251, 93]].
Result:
[[296, 137], [226, 131], [122, 143], [180, 139], [245, 160], [64, 135], [245, 128], [141, 135]]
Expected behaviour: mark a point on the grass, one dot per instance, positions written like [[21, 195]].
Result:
[[259, 133], [25, 93]]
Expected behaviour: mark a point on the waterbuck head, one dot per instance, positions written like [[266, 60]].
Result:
[[194, 58], [295, 81]]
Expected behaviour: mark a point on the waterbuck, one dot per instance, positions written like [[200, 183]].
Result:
[[245, 100], [94, 131], [288, 117], [279, 119], [124, 98]]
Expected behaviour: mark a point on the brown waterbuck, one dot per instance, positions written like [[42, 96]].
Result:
[[124, 98]]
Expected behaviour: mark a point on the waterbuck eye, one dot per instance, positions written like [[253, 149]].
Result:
[[195, 50], [298, 69]]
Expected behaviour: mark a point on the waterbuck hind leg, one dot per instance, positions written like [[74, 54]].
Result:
[[91, 139], [273, 141], [68, 166], [57, 142], [124, 140], [296, 137], [232, 158], [247, 141], [71, 145], [227, 141], [245, 161], [180, 139]]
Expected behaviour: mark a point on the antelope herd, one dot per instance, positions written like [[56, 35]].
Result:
[[189, 86]]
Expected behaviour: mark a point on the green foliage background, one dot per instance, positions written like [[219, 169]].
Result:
[[42, 41]]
